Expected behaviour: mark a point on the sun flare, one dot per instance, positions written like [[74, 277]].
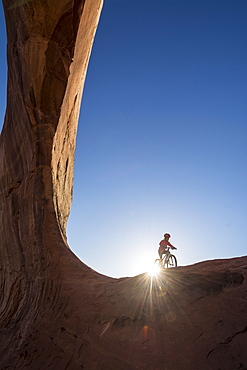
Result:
[[146, 264], [153, 269]]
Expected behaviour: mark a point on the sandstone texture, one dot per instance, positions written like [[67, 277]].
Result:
[[55, 312]]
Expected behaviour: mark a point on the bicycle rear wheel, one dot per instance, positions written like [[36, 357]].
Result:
[[158, 262], [172, 262]]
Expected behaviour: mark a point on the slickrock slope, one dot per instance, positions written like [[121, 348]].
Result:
[[55, 312]]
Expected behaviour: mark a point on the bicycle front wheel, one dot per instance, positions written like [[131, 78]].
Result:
[[172, 262]]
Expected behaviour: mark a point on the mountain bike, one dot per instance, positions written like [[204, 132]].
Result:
[[168, 260]]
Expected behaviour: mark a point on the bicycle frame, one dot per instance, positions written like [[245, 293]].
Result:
[[166, 255], [167, 260]]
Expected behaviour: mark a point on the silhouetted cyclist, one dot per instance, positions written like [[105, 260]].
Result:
[[164, 243]]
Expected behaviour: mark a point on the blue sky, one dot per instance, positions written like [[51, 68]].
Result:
[[162, 135]]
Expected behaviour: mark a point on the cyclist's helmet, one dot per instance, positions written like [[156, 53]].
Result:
[[166, 234]]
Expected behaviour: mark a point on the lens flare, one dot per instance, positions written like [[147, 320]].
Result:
[[154, 269]]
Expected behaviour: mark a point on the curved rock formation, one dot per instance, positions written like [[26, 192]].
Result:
[[55, 312]]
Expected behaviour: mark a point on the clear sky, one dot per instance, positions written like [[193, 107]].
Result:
[[162, 135]]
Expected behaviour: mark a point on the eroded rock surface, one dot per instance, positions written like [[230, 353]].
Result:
[[55, 312]]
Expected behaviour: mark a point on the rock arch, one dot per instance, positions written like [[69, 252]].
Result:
[[55, 312]]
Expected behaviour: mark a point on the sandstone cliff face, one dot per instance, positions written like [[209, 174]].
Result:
[[55, 312]]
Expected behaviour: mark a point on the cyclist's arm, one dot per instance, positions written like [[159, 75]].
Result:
[[170, 245]]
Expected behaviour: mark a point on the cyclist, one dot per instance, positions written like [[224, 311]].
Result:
[[164, 244]]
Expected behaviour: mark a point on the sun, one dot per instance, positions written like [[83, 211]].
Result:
[[146, 264], [153, 269]]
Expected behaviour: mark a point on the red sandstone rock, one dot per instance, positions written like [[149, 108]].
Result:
[[55, 312]]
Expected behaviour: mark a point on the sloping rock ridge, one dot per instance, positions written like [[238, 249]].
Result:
[[56, 312]]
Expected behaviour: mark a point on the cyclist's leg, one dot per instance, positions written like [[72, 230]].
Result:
[[165, 259], [160, 252]]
